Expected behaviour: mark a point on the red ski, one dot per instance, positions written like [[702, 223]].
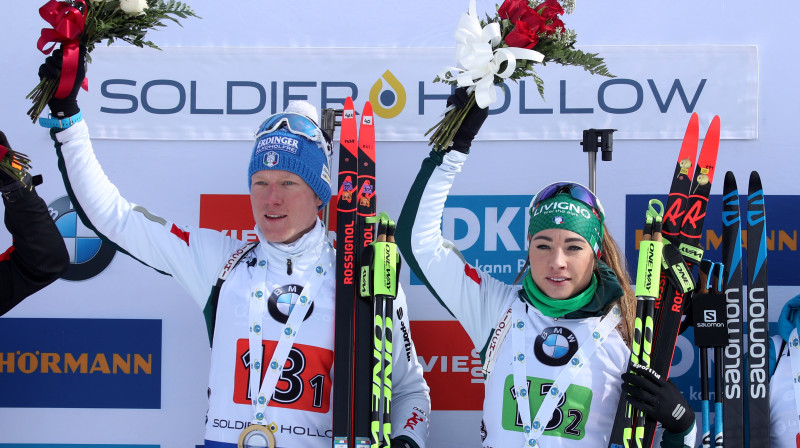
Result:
[[683, 225], [347, 249]]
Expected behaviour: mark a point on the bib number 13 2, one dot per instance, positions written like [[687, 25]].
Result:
[[569, 417]]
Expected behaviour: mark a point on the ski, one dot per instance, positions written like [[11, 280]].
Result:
[[346, 249], [682, 229], [757, 316], [734, 356], [366, 208]]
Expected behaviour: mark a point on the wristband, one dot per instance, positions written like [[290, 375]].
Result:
[[63, 123]]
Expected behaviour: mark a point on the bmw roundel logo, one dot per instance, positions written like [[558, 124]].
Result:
[[89, 255], [555, 346], [282, 301]]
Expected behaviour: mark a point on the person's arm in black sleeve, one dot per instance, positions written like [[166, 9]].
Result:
[[38, 255]]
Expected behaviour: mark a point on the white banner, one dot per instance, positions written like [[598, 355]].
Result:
[[219, 93]]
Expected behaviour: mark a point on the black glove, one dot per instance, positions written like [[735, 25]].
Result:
[[472, 121], [51, 68], [660, 399]]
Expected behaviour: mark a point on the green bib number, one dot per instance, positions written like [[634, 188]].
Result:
[[569, 418]]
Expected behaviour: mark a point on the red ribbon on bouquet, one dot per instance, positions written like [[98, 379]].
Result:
[[67, 22]]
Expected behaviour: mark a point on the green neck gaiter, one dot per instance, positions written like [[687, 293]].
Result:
[[557, 308]]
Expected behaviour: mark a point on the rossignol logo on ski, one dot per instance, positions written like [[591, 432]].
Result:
[[693, 216], [349, 252]]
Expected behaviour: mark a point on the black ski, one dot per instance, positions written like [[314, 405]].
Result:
[[346, 270], [757, 316], [365, 234], [682, 228], [734, 361]]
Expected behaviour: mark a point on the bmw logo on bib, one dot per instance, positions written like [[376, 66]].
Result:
[[555, 346]]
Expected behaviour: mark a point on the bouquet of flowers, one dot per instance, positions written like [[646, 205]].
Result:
[[85, 23], [506, 46], [14, 163]]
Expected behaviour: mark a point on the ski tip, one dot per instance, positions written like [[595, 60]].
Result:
[[730, 181], [367, 109], [755, 181], [714, 127], [690, 140], [694, 122], [348, 103]]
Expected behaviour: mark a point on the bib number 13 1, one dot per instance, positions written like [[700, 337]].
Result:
[[304, 383]]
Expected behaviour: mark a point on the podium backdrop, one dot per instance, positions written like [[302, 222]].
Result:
[[117, 354]]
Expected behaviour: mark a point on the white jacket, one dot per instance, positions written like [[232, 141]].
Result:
[[479, 301], [301, 406]]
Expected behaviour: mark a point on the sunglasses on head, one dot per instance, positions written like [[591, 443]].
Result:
[[299, 125], [577, 191]]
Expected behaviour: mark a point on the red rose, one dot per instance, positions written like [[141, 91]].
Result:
[[513, 9], [534, 21], [550, 9], [522, 36], [550, 28]]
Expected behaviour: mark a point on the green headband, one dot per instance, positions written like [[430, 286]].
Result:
[[562, 211]]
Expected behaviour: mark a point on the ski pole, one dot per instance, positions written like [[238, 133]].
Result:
[[648, 271], [704, 283], [719, 378], [710, 332], [388, 351], [379, 284], [648, 274], [638, 330]]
